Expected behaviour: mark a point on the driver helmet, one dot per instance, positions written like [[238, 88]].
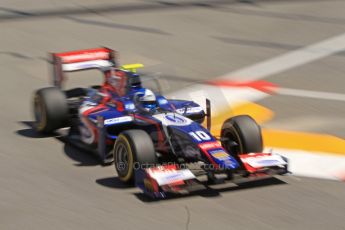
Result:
[[146, 100]]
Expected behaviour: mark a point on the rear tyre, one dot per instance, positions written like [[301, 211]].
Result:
[[241, 134], [132, 149], [50, 109]]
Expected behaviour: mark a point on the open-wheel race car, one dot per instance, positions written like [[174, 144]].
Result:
[[157, 143]]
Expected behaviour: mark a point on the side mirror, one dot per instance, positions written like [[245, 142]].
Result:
[[208, 114]]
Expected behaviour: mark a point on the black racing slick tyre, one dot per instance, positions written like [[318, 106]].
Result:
[[132, 149], [50, 109], [241, 134]]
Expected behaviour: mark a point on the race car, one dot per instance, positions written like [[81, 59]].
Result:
[[157, 143]]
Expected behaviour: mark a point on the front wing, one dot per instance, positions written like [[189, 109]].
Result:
[[158, 181]]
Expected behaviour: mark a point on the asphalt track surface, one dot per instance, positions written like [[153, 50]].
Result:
[[46, 184]]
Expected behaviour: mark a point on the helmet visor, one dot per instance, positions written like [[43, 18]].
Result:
[[149, 104]]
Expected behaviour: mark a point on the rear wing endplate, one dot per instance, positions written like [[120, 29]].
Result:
[[77, 60]]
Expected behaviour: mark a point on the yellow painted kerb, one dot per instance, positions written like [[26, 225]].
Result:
[[258, 112], [313, 142], [304, 141]]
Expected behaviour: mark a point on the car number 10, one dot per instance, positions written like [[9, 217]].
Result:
[[200, 136]]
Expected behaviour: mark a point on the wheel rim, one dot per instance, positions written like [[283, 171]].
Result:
[[40, 113], [231, 136], [121, 159]]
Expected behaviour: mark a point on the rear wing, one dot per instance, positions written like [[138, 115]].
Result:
[[77, 60]]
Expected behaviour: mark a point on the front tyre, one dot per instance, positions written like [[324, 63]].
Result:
[[50, 109], [241, 134], [132, 149]]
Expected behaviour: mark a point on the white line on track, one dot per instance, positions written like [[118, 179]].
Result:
[[304, 163], [290, 60], [311, 94], [264, 69]]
